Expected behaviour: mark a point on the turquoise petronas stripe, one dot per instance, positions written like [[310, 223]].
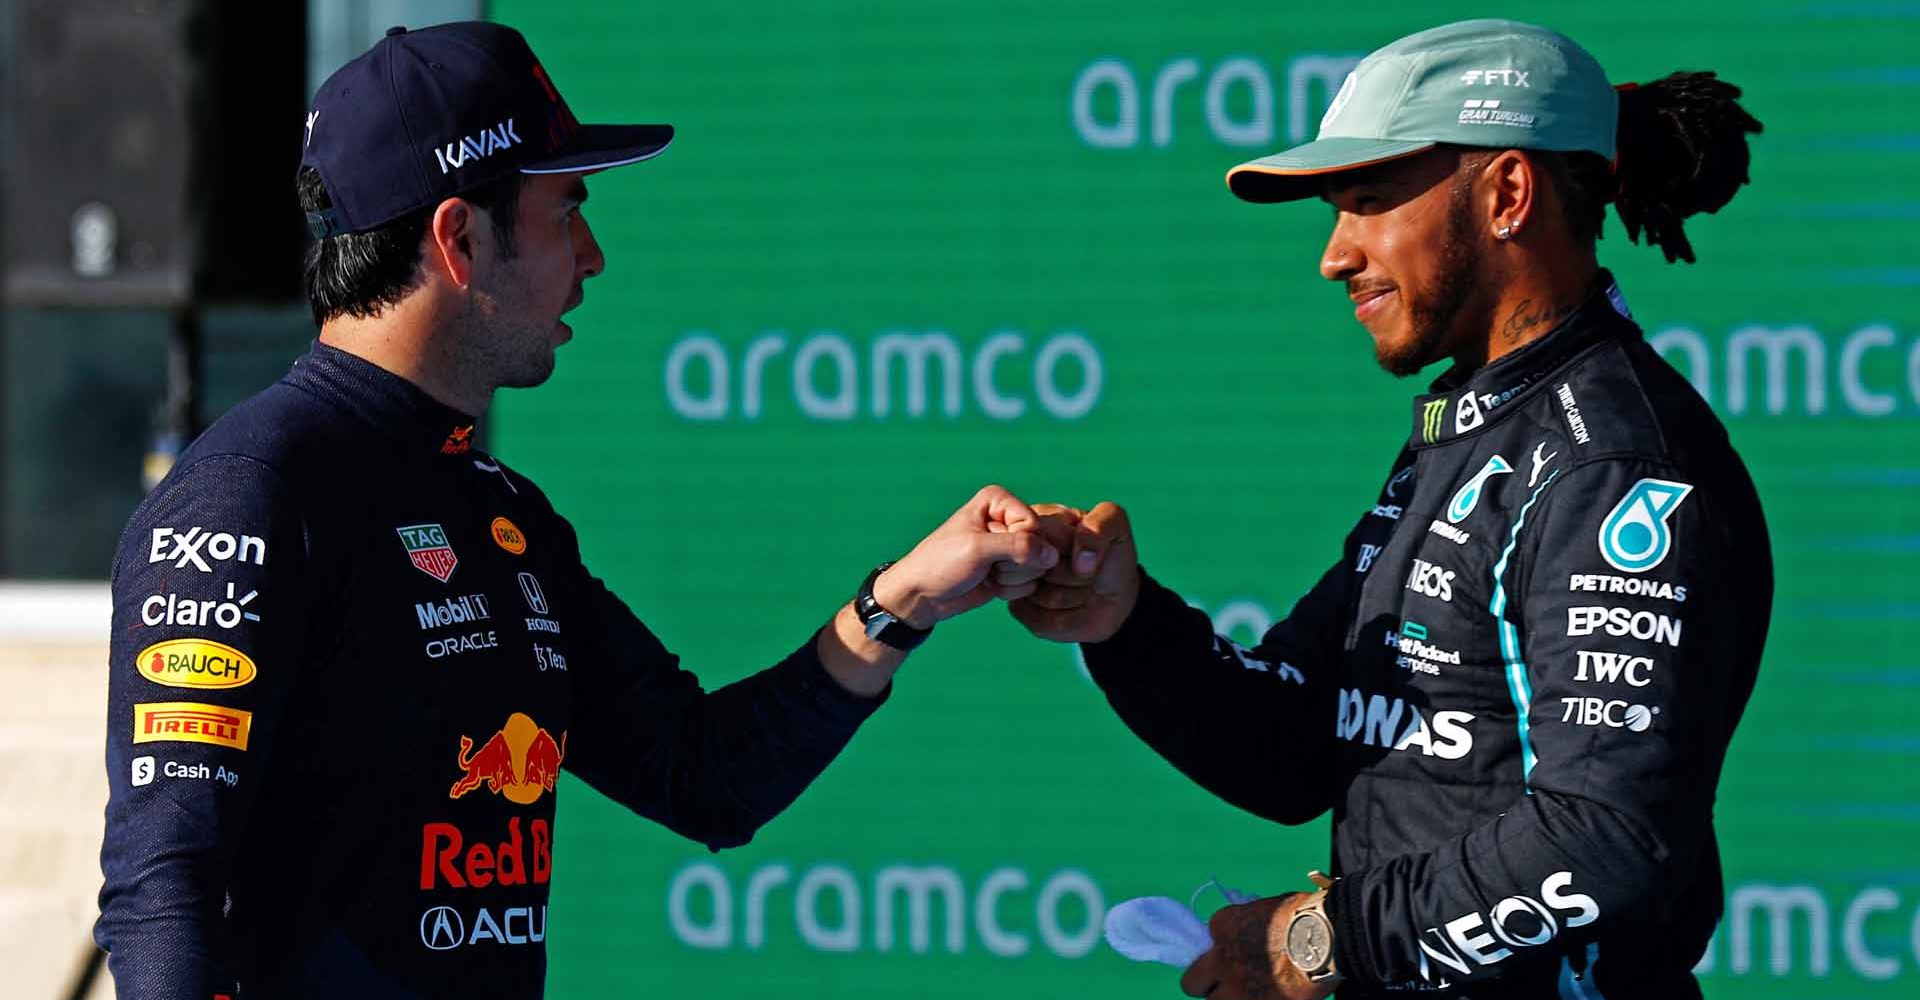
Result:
[[1517, 684], [1580, 987]]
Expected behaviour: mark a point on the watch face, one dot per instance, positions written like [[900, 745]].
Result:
[[1309, 942], [878, 623]]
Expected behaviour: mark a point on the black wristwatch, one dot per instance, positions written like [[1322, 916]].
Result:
[[883, 625]]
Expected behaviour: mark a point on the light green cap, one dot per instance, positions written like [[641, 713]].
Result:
[[1491, 83]]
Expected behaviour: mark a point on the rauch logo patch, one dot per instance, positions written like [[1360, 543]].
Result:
[[196, 663]]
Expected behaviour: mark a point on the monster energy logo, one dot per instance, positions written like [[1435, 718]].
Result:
[[1430, 420]]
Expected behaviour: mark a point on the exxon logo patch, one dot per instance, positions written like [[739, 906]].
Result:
[[489, 141]]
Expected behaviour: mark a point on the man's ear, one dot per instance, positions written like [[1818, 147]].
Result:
[[1513, 187], [450, 240]]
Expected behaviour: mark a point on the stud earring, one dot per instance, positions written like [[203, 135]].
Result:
[[1504, 232]]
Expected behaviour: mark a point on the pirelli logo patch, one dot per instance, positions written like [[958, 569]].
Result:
[[191, 722]]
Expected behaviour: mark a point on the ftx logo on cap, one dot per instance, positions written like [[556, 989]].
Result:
[[425, 115], [1486, 83]]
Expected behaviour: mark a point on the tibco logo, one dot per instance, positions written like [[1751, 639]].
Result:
[[1068, 909], [1066, 376], [1105, 106], [1612, 714]]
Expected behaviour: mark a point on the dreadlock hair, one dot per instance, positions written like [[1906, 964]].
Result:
[[1681, 150], [360, 274]]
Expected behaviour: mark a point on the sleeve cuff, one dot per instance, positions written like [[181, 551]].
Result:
[[1349, 938], [1154, 617], [801, 679]]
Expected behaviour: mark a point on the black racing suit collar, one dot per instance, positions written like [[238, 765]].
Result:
[[392, 404], [1445, 412]]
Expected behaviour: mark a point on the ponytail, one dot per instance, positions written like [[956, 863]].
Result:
[[1682, 150]]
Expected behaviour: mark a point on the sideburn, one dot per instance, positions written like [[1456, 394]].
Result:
[[1432, 323]]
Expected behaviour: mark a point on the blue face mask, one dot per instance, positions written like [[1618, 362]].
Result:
[[1162, 929]]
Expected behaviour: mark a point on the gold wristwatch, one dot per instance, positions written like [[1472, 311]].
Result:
[[1310, 936]]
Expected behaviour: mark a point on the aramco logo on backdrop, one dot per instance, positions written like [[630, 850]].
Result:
[[1008, 912], [897, 374], [1797, 370], [1236, 99]]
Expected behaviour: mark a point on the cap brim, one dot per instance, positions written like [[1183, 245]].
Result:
[[599, 147], [1296, 173]]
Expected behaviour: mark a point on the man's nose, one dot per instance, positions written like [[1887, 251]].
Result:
[[1342, 258], [587, 250]]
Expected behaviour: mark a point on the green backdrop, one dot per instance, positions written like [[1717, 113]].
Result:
[[1029, 207]]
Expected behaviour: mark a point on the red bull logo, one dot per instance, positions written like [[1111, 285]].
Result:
[[458, 442], [447, 858], [521, 761]]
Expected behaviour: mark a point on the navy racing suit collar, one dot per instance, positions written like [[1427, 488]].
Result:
[[1459, 404], [394, 405]]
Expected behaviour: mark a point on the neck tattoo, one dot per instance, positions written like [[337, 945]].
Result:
[[1527, 316]]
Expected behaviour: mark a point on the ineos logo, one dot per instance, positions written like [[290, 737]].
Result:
[[1431, 580], [442, 928]]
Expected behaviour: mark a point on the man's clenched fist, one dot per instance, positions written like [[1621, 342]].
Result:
[[1089, 595]]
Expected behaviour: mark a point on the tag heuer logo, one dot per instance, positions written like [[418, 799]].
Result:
[[427, 547]]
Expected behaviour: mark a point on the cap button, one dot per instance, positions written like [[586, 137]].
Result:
[[398, 29]]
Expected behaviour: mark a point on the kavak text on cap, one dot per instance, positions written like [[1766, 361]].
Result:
[[425, 115]]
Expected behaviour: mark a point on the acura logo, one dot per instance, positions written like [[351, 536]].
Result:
[[442, 928]]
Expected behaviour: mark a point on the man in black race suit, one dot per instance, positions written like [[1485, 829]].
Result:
[[1515, 687]]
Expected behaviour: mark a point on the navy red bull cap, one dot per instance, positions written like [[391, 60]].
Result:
[[425, 115]]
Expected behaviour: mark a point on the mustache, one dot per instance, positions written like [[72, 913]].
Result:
[[1361, 289]]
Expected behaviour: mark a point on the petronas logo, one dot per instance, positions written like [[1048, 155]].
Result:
[[1430, 418], [1634, 537], [1468, 496]]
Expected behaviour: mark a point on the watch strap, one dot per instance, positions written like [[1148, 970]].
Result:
[[884, 626], [1315, 909]]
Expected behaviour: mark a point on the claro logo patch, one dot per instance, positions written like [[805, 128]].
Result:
[[196, 663], [191, 722]]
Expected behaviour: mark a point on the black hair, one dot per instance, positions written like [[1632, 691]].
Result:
[[360, 274], [1681, 150]]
